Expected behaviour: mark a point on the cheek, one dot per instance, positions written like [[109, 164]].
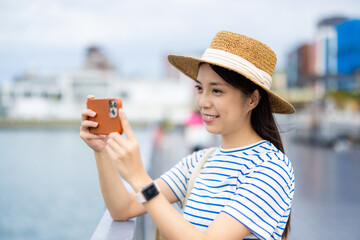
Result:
[[233, 109]]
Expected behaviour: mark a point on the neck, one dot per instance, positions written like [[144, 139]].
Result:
[[243, 137]]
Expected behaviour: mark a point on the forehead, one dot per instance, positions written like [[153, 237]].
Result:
[[207, 75]]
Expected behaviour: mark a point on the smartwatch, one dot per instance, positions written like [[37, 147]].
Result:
[[147, 193]]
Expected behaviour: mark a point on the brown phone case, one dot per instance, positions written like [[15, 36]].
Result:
[[107, 115]]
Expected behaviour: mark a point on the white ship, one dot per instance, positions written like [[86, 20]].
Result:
[[62, 96]]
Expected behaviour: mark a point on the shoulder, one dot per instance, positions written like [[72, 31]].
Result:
[[192, 159], [274, 158], [275, 165]]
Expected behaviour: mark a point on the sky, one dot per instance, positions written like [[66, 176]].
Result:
[[52, 36]]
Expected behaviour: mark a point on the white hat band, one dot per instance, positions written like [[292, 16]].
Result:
[[238, 64]]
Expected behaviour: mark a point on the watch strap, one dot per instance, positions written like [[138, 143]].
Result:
[[140, 196]]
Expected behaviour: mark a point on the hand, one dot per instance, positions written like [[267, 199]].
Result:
[[125, 154], [96, 142]]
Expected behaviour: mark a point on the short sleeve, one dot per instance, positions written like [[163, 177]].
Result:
[[177, 177], [262, 197]]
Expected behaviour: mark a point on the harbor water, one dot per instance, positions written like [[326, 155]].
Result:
[[49, 185]]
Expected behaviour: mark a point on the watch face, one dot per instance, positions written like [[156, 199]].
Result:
[[150, 192]]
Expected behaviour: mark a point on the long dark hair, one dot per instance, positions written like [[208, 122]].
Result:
[[262, 119]]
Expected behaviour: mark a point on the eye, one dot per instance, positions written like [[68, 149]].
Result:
[[198, 88], [217, 91]]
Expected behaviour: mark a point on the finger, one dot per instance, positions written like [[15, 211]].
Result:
[[126, 125], [113, 153], [90, 97], [111, 143], [86, 113], [90, 136], [110, 151], [118, 139], [86, 124]]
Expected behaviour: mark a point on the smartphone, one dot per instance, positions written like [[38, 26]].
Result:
[[107, 115]]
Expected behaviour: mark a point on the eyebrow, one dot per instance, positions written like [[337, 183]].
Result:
[[212, 83]]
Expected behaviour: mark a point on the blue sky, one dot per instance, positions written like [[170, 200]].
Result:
[[51, 36]]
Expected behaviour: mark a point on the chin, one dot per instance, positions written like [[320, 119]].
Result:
[[213, 130]]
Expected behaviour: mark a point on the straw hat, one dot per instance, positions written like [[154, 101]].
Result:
[[244, 55]]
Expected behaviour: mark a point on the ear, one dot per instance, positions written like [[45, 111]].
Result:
[[254, 99]]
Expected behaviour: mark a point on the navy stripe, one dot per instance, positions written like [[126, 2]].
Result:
[[177, 168], [208, 179], [285, 158], [254, 185], [230, 169], [201, 210], [192, 215], [277, 156], [285, 182], [208, 219], [231, 162], [255, 151], [272, 150], [280, 228], [281, 168], [258, 156], [186, 161], [179, 180], [216, 180], [206, 196], [172, 191], [261, 199], [201, 189], [177, 186], [250, 220], [270, 187], [243, 149], [196, 160], [203, 203], [214, 173], [252, 212], [268, 149], [274, 181], [258, 206], [225, 185], [198, 224], [234, 156]]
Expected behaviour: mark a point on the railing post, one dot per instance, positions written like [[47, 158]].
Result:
[[108, 229]]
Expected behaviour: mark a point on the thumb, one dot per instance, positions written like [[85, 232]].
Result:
[[126, 125]]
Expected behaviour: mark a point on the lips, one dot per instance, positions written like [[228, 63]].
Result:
[[209, 118]]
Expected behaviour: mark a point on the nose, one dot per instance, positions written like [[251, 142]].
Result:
[[203, 100]]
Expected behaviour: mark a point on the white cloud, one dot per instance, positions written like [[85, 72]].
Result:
[[158, 26]]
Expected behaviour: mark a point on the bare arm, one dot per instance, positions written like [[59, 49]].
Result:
[[122, 205], [116, 196], [125, 155]]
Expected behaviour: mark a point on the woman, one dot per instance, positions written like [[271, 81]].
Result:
[[246, 186]]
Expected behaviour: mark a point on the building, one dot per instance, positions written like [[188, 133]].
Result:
[[333, 57], [62, 96]]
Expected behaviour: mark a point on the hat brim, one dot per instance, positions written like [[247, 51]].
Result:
[[190, 67]]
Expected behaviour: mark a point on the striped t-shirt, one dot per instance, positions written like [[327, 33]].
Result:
[[254, 184]]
